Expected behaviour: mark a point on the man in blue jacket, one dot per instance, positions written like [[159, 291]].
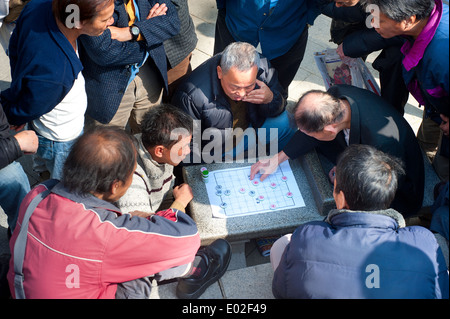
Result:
[[362, 250], [279, 26], [126, 67], [424, 23]]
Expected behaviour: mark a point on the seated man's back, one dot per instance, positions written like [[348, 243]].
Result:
[[78, 244], [363, 249], [361, 255]]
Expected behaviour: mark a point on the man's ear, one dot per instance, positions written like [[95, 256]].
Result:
[[114, 187], [158, 151], [341, 203], [219, 72], [409, 23], [339, 198], [332, 128]]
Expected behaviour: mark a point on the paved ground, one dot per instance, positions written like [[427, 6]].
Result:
[[254, 281]]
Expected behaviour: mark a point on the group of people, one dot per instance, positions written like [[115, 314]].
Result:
[[104, 97]]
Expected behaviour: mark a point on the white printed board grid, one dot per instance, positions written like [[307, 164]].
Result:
[[231, 193]]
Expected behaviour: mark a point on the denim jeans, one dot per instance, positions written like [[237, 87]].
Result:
[[51, 156], [285, 129], [14, 185], [273, 136]]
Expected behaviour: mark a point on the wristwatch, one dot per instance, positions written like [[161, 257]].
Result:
[[134, 30]]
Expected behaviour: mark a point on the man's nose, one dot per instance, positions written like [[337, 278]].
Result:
[[242, 92]]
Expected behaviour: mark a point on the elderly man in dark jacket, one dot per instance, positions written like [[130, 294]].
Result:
[[345, 115], [234, 92], [362, 250]]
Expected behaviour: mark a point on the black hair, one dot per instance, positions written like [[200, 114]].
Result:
[[399, 10], [88, 9], [161, 121], [367, 177]]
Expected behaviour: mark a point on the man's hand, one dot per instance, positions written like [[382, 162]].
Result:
[[183, 194], [263, 95], [17, 128], [124, 34], [28, 141], [340, 51], [157, 10], [267, 166], [120, 34], [444, 125]]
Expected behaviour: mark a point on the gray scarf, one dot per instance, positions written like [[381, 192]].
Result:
[[386, 212]]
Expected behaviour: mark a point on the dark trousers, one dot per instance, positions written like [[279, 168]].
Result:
[[393, 87], [286, 65]]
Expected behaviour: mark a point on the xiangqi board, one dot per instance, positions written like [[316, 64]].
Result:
[[231, 193]]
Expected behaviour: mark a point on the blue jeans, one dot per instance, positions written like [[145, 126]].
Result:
[[285, 129], [51, 156], [14, 185], [273, 136]]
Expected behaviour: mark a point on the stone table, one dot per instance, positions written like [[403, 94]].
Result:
[[312, 182]]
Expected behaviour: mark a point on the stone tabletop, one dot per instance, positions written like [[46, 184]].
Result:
[[315, 189]]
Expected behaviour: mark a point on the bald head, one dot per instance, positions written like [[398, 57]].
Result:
[[317, 109], [98, 158]]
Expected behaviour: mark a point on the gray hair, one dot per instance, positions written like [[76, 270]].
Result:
[[399, 10], [241, 55]]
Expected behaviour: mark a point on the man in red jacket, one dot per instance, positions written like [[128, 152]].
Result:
[[75, 243]]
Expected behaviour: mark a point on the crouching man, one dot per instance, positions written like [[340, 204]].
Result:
[[72, 242]]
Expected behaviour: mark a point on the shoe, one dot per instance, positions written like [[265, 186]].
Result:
[[217, 257]]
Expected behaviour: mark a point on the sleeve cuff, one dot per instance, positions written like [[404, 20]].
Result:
[[178, 205]]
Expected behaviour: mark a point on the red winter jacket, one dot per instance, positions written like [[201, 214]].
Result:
[[82, 247]]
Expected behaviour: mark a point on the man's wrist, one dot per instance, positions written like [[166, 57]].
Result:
[[178, 205], [282, 156], [134, 31]]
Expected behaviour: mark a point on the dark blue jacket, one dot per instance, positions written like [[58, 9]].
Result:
[[107, 63], [276, 30], [426, 63], [44, 65], [361, 42], [362, 255]]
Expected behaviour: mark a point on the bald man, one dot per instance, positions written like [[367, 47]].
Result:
[[331, 121]]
